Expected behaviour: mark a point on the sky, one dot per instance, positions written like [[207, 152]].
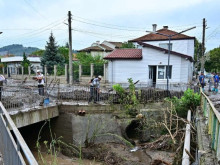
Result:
[[30, 22]]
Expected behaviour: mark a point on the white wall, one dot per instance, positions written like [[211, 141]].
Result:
[[108, 44], [155, 57], [182, 46], [101, 53], [139, 70]]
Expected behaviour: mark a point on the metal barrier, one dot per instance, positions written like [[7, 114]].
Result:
[[13, 148], [213, 117]]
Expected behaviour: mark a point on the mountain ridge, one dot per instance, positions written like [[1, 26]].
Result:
[[17, 50]]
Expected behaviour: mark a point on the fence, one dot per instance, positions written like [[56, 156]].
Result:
[[28, 97], [13, 148], [20, 99], [213, 117]]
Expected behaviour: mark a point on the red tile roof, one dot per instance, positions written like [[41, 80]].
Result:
[[125, 54], [157, 37], [165, 50]]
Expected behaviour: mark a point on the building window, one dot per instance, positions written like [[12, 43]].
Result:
[[165, 45], [162, 72]]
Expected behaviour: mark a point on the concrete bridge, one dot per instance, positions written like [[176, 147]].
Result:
[[64, 116]]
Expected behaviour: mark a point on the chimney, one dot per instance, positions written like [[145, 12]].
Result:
[[154, 27], [165, 27]]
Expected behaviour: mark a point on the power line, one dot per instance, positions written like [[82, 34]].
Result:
[[43, 28], [104, 26], [33, 8]]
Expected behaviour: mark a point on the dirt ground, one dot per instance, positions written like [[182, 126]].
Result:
[[109, 154]]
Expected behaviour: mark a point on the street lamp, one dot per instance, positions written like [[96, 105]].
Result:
[[170, 37]]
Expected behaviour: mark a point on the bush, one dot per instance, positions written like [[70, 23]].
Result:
[[128, 98], [189, 100]]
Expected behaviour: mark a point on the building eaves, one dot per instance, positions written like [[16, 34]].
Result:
[[165, 50]]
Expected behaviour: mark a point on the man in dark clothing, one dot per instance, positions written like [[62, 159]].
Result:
[[202, 80], [216, 81], [95, 89]]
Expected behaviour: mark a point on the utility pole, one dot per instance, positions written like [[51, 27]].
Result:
[[203, 45], [70, 49]]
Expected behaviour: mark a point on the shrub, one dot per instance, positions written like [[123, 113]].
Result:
[[189, 100]]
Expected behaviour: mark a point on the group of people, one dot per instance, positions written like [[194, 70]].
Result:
[[94, 86], [213, 81]]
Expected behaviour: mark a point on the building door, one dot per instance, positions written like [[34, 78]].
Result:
[[153, 74]]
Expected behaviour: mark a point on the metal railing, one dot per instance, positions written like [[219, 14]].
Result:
[[13, 148], [213, 117]]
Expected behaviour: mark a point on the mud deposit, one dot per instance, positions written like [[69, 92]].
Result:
[[106, 154]]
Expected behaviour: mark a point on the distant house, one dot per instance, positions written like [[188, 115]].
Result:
[[15, 62], [149, 62], [101, 49]]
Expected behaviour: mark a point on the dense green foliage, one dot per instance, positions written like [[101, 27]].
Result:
[[128, 98], [18, 50], [86, 59], [51, 56], [25, 63], [128, 45], [197, 54], [213, 64], [38, 53], [189, 100], [64, 51]]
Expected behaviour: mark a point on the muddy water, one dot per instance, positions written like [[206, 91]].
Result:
[[142, 156]]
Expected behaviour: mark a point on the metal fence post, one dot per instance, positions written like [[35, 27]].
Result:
[[91, 70]]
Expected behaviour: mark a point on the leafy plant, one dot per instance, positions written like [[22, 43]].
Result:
[[128, 98], [189, 100]]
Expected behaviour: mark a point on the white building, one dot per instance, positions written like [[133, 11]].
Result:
[[149, 62], [102, 49], [15, 62]]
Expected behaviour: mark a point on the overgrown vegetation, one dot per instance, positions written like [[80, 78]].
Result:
[[86, 59], [173, 125], [128, 98], [189, 100]]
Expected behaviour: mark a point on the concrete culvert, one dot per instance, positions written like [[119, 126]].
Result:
[[133, 130]]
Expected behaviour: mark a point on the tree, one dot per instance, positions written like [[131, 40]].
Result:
[[38, 53], [197, 54], [51, 55], [65, 53], [128, 45], [213, 64], [25, 63]]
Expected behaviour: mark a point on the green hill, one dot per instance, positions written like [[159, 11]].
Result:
[[17, 50]]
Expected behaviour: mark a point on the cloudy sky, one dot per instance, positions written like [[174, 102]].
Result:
[[30, 22]]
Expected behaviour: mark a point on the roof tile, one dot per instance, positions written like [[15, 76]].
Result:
[[125, 54], [157, 37]]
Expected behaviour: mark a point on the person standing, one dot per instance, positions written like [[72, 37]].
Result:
[[40, 79], [91, 90], [216, 81], [202, 80], [211, 81], [2, 79], [96, 89]]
